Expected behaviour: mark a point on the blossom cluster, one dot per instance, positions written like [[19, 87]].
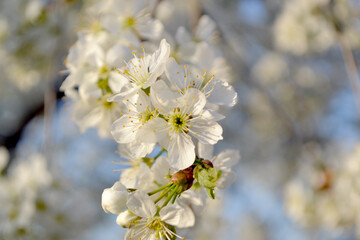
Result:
[[34, 200], [329, 197], [33, 36], [159, 97], [315, 25]]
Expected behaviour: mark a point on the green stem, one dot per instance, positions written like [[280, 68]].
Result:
[[159, 189], [174, 193], [159, 154], [197, 161], [164, 193], [174, 198]]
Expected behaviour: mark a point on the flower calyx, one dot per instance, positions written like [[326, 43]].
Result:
[[206, 175]]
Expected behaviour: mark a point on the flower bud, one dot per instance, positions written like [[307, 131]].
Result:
[[207, 163], [179, 178], [113, 199], [125, 218], [184, 178]]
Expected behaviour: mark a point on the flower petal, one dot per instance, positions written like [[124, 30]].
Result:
[[158, 62], [206, 29], [162, 97], [206, 131], [178, 215], [116, 54], [181, 152], [205, 150], [222, 94], [193, 101], [123, 130], [141, 204], [125, 218], [227, 159], [175, 74]]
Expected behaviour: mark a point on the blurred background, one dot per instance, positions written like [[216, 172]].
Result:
[[296, 123]]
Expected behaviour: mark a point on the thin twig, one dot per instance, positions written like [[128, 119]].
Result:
[[351, 69]]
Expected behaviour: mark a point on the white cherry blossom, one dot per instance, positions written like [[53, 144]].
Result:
[[142, 72], [126, 17], [183, 120], [217, 91], [135, 154], [135, 123], [154, 224]]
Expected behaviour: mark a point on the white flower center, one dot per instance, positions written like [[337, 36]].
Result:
[[138, 71], [178, 121], [147, 115]]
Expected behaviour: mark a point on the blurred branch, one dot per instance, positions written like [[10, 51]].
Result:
[[351, 68], [194, 9]]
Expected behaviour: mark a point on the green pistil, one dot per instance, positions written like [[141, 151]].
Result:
[[129, 22], [179, 121], [148, 161], [103, 84], [155, 224], [41, 205], [21, 231], [147, 115], [147, 91], [13, 214], [108, 105], [103, 70]]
